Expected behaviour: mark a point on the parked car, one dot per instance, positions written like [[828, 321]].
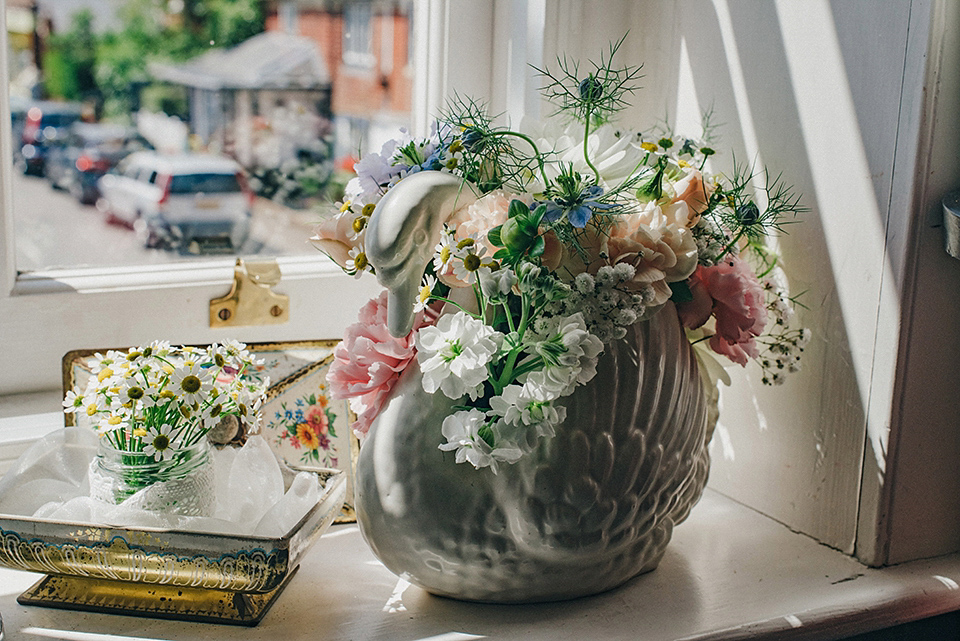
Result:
[[44, 124], [174, 200], [89, 151]]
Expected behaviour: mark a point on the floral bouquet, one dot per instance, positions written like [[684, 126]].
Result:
[[157, 401], [564, 234]]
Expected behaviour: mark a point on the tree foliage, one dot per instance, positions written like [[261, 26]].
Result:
[[170, 31], [70, 59]]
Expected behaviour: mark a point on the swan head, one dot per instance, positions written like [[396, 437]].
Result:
[[403, 230]]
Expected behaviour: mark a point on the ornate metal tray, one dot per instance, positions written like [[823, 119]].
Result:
[[169, 574]]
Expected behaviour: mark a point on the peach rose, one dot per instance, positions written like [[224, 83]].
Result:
[[693, 190], [483, 215], [333, 237]]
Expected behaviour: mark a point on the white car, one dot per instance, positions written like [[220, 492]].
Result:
[[176, 200]]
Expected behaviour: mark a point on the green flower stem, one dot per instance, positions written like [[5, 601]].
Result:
[[529, 366], [457, 305], [586, 140], [536, 151], [731, 244], [509, 316], [507, 375]]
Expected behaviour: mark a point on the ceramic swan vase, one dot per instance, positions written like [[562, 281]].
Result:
[[591, 508]]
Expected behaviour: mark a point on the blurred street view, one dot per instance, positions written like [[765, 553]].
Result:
[[150, 93]]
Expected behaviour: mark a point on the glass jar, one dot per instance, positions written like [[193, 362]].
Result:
[[181, 484]]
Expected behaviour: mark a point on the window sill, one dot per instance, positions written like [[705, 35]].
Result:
[[729, 573]]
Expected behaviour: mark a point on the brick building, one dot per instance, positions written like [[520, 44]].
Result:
[[367, 47]]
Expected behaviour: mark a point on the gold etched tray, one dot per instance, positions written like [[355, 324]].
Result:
[[170, 574]]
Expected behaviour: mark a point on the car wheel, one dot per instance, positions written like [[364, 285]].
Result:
[[76, 190]]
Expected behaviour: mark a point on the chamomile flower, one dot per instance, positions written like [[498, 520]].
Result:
[[113, 422], [132, 391], [74, 401], [426, 292], [444, 250], [159, 442], [357, 262], [468, 260], [191, 383]]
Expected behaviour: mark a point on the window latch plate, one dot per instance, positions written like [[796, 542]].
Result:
[[251, 301]]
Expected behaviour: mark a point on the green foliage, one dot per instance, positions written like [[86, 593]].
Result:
[[69, 60], [149, 32]]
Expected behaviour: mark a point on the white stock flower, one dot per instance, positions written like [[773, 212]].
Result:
[[453, 354], [530, 405], [573, 351], [497, 284], [462, 431]]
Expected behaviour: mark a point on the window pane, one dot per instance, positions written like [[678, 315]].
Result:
[[115, 102]]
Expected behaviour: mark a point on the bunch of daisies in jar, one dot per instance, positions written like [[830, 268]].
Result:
[[564, 233], [158, 400]]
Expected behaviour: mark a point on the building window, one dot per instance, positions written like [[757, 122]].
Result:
[[358, 34]]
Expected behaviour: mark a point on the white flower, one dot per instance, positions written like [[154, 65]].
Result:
[[464, 431], [469, 260], [132, 391], [426, 292], [570, 356], [444, 250], [73, 401], [113, 422], [497, 284], [453, 354], [357, 262], [191, 383], [529, 404], [159, 443]]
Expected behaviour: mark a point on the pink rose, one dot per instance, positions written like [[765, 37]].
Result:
[[369, 360], [732, 294]]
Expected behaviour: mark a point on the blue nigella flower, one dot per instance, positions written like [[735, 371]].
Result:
[[578, 210]]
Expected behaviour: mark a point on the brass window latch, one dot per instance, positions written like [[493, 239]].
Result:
[[251, 301]]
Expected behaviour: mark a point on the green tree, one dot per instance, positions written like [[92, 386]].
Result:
[[168, 31], [70, 59]]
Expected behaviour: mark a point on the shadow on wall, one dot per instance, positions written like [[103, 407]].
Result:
[[812, 90]]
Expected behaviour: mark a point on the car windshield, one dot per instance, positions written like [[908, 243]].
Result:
[[208, 183]]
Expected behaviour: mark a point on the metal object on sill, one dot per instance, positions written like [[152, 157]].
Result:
[[165, 574], [251, 301], [951, 223]]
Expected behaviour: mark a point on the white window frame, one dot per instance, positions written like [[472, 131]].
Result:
[[43, 315]]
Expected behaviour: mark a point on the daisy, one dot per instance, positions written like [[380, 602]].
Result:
[[132, 391], [74, 401], [470, 255], [443, 252], [191, 383], [113, 422], [426, 292], [357, 262], [159, 443]]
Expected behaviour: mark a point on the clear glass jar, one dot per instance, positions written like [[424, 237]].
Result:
[[181, 484]]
